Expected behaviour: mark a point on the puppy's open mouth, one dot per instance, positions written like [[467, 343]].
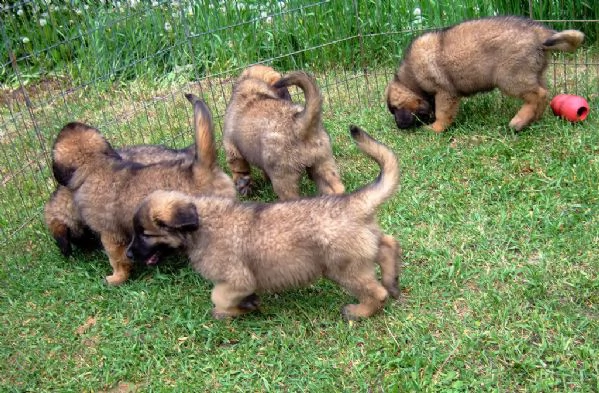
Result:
[[153, 260]]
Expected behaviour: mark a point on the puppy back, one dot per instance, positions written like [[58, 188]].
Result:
[[76, 146]]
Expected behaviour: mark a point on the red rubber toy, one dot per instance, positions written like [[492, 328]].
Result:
[[570, 107]]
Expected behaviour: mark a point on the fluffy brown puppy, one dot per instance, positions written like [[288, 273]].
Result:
[[106, 189], [281, 138], [245, 248], [505, 52], [62, 217]]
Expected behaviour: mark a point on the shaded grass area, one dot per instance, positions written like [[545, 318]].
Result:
[[500, 279]]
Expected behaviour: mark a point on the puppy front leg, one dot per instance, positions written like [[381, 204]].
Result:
[[446, 108], [230, 301], [121, 265]]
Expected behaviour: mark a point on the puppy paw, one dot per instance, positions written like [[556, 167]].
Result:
[[394, 292], [243, 186], [437, 127], [517, 123], [228, 313], [250, 303], [115, 279], [349, 314]]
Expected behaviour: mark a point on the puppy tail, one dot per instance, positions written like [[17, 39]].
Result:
[[386, 183], [205, 154], [567, 41], [309, 118]]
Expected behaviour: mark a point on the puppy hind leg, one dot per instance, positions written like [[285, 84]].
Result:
[[230, 301], [240, 170], [286, 187], [532, 109], [389, 256], [369, 291]]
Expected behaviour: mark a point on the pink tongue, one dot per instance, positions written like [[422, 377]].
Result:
[[152, 260]]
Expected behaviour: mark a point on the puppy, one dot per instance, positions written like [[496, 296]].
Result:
[[506, 52], [62, 217], [281, 138], [245, 248], [106, 189]]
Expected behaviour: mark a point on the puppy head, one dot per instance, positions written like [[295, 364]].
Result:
[[161, 223], [77, 145], [408, 108], [266, 74]]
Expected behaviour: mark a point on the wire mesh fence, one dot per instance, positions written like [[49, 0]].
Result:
[[124, 66]]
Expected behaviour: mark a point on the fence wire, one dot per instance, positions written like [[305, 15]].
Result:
[[91, 62]]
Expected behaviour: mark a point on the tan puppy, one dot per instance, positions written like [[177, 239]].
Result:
[[62, 216], [245, 248], [506, 52], [106, 189], [281, 138]]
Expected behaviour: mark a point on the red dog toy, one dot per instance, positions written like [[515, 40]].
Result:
[[570, 107]]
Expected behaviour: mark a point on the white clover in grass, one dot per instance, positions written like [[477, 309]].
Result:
[[268, 19], [167, 26], [25, 40], [78, 11], [417, 12], [175, 4], [20, 12], [263, 14], [86, 7], [133, 3], [154, 3], [43, 22], [282, 4]]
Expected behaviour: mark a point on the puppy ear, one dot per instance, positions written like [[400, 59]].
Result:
[[182, 217]]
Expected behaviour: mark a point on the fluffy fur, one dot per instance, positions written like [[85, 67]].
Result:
[[244, 248], [106, 189], [281, 138], [440, 67], [62, 217]]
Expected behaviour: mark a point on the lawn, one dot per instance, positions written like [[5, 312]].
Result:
[[500, 285], [499, 231]]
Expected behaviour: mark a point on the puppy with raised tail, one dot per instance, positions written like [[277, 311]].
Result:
[[283, 139], [106, 189], [248, 248]]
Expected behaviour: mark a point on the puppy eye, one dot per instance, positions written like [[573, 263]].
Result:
[[147, 235]]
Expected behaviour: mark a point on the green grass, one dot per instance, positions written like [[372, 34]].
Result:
[[500, 274]]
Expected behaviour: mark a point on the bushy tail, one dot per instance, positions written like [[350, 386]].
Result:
[[567, 40], [205, 155], [309, 118], [386, 183]]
